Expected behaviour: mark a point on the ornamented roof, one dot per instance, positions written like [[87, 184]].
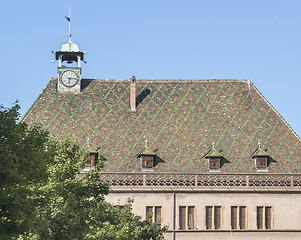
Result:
[[180, 118], [260, 153], [69, 47], [212, 153], [69, 51], [146, 151]]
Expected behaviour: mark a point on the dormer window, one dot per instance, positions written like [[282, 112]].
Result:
[[214, 160], [261, 159], [214, 164], [92, 159], [146, 157], [147, 162], [261, 163]]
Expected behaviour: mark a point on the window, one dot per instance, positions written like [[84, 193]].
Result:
[[214, 164], [214, 160], [146, 158], [147, 162], [261, 163], [261, 159], [186, 217], [155, 211], [121, 208], [264, 217], [213, 217], [91, 160], [238, 217]]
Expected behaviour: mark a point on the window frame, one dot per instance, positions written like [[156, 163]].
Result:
[[261, 167], [213, 218], [91, 161], [144, 159], [189, 222], [239, 216], [266, 222], [154, 213], [214, 160]]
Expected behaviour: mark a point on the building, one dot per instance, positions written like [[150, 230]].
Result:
[[209, 158]]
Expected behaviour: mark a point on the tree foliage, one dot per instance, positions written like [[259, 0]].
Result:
[[22, 169], [44, 194]]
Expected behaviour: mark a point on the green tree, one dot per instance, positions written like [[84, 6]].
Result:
[[22, 170], [67, 197], [124, 225], [44, 195], [73, 205]]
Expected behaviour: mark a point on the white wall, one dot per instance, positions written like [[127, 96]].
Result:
[[286, 209]]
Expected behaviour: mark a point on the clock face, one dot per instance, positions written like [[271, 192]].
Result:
[[69, 78]]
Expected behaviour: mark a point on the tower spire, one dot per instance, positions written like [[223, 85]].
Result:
[[69, 20], [69, 77], [69, 35]]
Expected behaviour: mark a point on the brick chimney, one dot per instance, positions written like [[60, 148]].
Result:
[[133, 94]]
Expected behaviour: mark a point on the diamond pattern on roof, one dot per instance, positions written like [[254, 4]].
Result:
[[180, 119]]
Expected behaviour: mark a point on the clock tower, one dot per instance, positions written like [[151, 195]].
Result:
[[69, 77]]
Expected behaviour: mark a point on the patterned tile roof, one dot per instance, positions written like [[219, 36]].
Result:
[[179, 118]]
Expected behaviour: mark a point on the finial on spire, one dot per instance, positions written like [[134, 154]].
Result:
[[213, 146], [88, 142], [259, 145]]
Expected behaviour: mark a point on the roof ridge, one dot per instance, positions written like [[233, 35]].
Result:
[[170, 80]]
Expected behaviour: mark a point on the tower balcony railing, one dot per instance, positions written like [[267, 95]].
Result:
[[202, 180]]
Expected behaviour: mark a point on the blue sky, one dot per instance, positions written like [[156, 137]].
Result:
[[157, 39]]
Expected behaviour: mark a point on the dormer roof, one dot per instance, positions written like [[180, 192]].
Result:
[[212, 154], [260, 153], [146, 151]]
